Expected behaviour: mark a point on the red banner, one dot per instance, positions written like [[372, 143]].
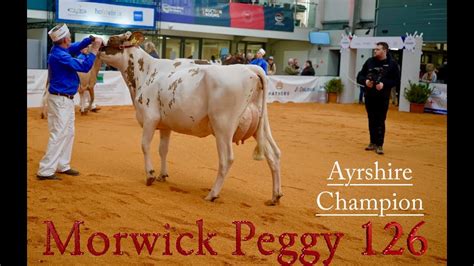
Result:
[[247, 16]]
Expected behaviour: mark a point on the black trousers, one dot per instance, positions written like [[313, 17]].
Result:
[[377, 108]]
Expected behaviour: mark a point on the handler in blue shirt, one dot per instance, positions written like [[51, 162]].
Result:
[[63, 84], [259, 61]]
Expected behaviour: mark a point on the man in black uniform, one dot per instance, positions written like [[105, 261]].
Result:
[[380, 74]]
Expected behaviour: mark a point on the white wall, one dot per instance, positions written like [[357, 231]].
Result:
[[41, 35], [34, 50], [367, 11], [336, 10], [81, 36]]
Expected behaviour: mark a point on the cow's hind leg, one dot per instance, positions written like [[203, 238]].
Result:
[[272, 154], [149, 127], [164, 143], [273, 160], [226, 158]]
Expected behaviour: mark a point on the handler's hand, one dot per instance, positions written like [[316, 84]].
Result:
[[379, 86], [369, 83]]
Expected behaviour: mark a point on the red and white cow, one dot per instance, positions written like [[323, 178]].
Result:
[[87, 83], [185, 97]]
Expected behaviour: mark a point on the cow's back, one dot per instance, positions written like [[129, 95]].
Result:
[[186, 99]]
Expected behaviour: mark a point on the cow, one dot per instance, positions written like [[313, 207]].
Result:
[[179, 95], [87, 82]]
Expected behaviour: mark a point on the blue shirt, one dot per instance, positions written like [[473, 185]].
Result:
[[260, 62], [63, 67]]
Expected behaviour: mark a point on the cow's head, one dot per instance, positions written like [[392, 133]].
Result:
[[119, 47]]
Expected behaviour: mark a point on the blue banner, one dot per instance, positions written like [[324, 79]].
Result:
[[177, 11], [279, 19], [212, 13]]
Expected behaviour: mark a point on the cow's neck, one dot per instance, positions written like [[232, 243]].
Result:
[[137, 70]]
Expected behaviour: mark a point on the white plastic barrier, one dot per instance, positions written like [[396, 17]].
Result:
[[297, 89], [112, 90], [109, 90], [438, 101]]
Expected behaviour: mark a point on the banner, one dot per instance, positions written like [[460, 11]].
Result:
[[109, 90], [246, 16], [98, 13], [212, 13], [438, 101], [371, 42], [177, 11], [296, 89], [279, 19]]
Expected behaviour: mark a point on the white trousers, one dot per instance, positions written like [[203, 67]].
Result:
[[61, 136]]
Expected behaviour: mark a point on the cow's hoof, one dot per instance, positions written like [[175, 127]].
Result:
[[275, 201], [83, 112], [162, 178], [271, 202], [42, 116], [211, 198], [150, 181]]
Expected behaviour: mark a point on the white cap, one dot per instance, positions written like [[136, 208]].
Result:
[[261, 51], [58, 32]]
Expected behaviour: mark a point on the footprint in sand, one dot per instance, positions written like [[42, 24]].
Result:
[[175, 189]]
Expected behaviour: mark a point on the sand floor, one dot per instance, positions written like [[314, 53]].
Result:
[[110, 195]]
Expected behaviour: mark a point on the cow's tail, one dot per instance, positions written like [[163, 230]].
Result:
[[259, 151]]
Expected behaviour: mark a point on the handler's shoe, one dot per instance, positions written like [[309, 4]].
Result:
[[71, 172], [48, 177], [371, 147], [379, 150]]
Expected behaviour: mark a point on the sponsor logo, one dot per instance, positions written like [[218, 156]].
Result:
[[108, 12], [247, 16], [76, 11], [279, 85], [137, 15], [172, 9], [279, 18], [211, 12]]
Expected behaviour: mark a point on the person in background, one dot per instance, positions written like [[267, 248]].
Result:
[[259, 61], [380, 74], [443, 72], [271, 66], [249, 58], [308, 69], [151, 50], [290, 68], [297, 66], [430, 75]]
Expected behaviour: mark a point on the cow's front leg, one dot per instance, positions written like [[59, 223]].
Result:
[[226, 158], [164, 143], [91, 98], [82, 103], [149, 128]]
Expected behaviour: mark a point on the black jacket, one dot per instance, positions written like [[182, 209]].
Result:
[[308, 71], [385, 71]]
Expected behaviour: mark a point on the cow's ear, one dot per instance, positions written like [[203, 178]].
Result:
[[136, 38]]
